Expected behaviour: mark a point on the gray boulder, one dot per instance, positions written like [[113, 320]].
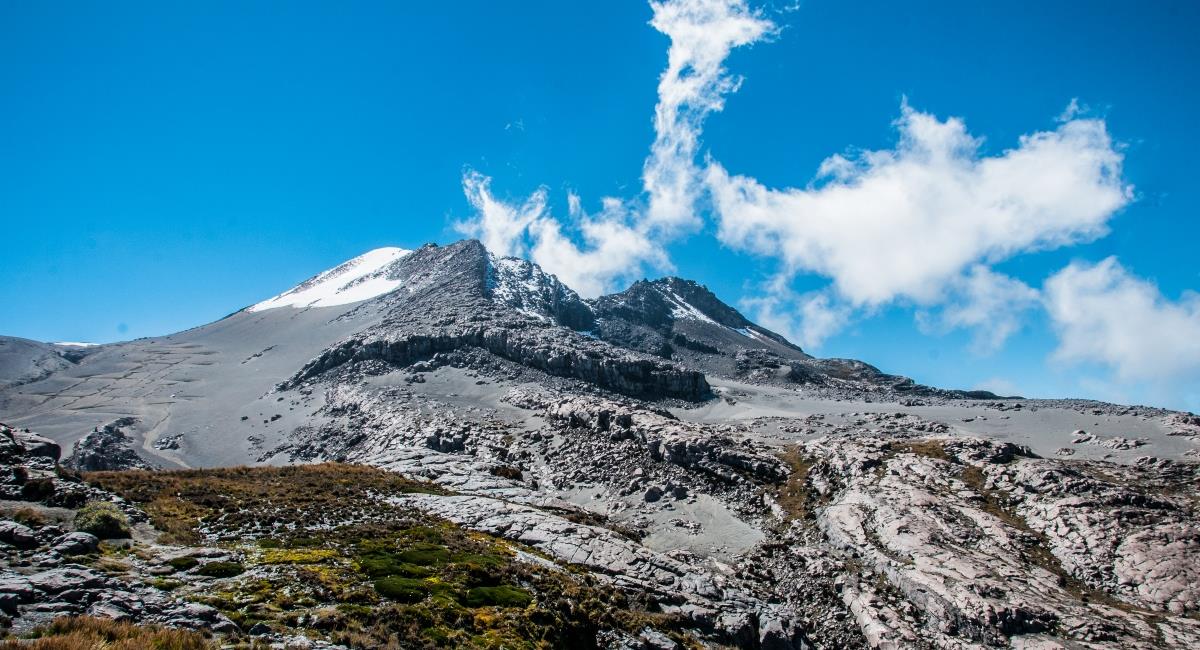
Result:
[[75, 544], [36, 445], [18, 535]]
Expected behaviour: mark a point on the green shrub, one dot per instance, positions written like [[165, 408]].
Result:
[[102, 519], [405, 590], [501, 596], [221, 569], [183, 563]]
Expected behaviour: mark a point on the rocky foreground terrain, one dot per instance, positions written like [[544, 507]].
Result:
[[472, 455]]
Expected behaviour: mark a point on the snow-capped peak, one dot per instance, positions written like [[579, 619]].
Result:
[[361, 278]]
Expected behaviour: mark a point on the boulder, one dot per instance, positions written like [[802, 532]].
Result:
[[18, 535], [75, 544], [36, 445]]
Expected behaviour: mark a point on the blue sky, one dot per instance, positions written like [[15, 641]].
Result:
[[164, 164]]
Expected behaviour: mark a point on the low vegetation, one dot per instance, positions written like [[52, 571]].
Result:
[[88, 633], [321, 552], [102, 519], [794, 495]]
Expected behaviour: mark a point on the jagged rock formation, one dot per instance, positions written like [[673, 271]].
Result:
[[962, 542], [679, 319], [583, 360], [106, 448], [524, 286]]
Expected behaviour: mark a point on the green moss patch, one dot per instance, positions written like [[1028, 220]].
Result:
[[326, 557], [498, 596], [102, 519], [221, 569], [183, 563]]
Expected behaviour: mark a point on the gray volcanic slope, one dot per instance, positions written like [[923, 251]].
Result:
[[23, 360], [204, 397], [201, 381], [662, 443], [207, 396]]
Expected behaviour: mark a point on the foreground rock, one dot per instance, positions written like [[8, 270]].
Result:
[[961, 542]]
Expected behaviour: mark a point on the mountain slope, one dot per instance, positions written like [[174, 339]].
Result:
[[697, 467], [23, 361], [456, 298]]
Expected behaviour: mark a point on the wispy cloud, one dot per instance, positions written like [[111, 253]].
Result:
[[629, 235], [498, 224], [694, 85], [991, 304]]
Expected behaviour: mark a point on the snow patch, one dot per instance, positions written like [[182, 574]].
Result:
[[525, 287], [518, 284], [681, 308], [758, 336], [76, 344], [361, 278]]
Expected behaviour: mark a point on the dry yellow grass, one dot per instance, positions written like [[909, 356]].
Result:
[[88, 633]]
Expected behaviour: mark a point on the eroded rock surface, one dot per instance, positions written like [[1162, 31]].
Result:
[[106, 448]]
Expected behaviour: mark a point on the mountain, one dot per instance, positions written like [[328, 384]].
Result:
[[460, 448], [23, 361]]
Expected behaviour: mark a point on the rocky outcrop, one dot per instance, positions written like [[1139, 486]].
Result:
[[36, 445], [524, 286], [106, 448], [593, 363], [720, 606], [29, 471], [668, 439], [962, 541]]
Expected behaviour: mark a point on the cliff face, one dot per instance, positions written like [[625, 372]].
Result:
[[561, 356]]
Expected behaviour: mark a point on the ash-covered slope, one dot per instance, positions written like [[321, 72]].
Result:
[[23, 361], [204, 397], [685, 322]]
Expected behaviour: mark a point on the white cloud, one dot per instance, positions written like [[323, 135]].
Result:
[[905, 223], [499, 225], [702, 33], [613, 251], [990, 303], [628, 236], [920, 223], [1105, 315], [805, 319]]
